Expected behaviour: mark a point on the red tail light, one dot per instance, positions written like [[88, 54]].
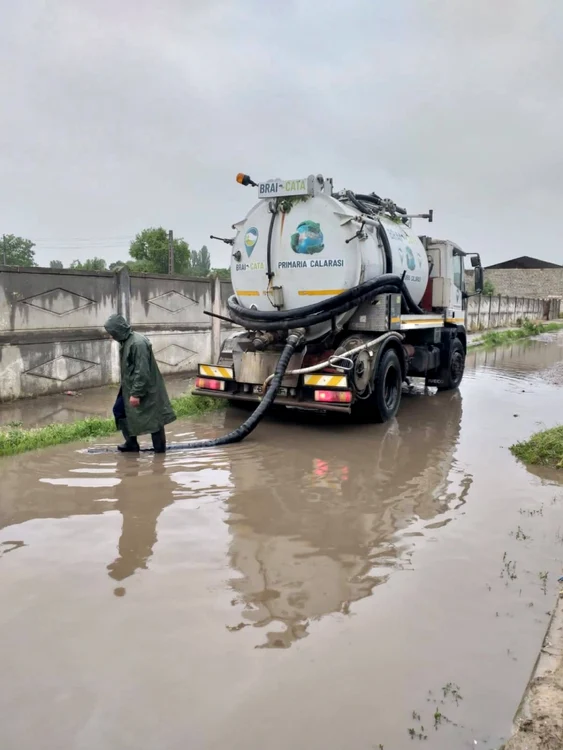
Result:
[[210, 385], [338, 397]]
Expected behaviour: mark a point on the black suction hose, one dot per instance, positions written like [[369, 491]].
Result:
[[310, 315], [309, 320], [294, 340], [317, 307], [386, 248], [378, 202], [354, 200]]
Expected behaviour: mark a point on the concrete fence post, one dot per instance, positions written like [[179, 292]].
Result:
[[123, 295], [123, 282], [216, 322]]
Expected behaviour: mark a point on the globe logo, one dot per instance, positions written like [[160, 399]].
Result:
[[308, 239]]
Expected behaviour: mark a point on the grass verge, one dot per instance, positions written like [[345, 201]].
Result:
[[16, 439], [491, 339], [544, 448]]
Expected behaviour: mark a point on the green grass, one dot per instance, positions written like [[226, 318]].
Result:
[[491, 339], [544, 448], [16, 439]]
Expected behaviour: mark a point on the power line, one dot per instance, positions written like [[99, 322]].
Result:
[[85, 239], [81, 248]]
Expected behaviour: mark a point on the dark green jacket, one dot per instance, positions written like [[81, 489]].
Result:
[[140, 377]]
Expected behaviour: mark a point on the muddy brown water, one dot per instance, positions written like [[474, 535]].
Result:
[[321, 585]]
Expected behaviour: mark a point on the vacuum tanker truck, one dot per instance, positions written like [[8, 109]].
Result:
[[339, 302]]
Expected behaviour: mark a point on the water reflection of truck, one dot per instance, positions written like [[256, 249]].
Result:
[[343, 280], [315, 524]]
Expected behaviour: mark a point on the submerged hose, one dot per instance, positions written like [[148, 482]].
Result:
[[294, 340]]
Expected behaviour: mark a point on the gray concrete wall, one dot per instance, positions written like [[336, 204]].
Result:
[[51, 325], [485, 312]]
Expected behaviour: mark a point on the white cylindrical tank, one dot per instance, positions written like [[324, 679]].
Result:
[[314, 254]]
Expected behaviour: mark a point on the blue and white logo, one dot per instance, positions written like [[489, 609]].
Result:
[[250, 240]]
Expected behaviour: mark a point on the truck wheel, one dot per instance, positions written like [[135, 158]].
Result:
[[385, 399], [453, 374]]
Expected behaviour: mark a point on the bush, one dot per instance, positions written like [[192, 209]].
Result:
[[488, 288], [543, 448], [528, 328]]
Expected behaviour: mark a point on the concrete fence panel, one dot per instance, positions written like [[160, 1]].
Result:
[[170, 311], [35, 299], [484, 312], [51, 330]]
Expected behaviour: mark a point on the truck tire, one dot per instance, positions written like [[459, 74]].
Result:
[[385, 399], [452, 376]]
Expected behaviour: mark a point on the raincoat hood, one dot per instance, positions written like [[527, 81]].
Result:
[[118, 328]]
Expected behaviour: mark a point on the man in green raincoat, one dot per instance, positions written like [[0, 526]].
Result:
[[142, 405]]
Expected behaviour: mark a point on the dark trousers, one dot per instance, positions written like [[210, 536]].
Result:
[[131, 443]]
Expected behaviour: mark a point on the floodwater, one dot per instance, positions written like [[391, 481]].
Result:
[[321, 585]]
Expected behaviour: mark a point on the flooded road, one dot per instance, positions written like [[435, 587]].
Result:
[[321, 585]]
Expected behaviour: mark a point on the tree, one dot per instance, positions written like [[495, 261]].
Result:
[[17, 251], [117, 265], [488, 288], [200, 262], [56, 264], [223, 273], [92, 264], [149, 250]]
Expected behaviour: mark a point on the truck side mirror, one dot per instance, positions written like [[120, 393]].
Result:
[[478, 279]]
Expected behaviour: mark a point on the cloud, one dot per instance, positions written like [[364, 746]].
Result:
[[118, 116]]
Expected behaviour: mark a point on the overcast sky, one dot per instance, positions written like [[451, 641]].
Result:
[[119, 115]]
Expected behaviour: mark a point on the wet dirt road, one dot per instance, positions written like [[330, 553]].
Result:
[[320, 585]]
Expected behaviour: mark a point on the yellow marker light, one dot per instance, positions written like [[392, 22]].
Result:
[[325, 380], [240, 178], [217, 372]]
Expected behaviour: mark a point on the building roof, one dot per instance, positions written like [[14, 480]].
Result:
[[524, 261]]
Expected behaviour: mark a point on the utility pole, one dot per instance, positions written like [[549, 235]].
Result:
[[3, 249], [170, 251]]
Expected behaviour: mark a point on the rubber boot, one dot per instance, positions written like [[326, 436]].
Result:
[[159, 441], [131, 444]]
